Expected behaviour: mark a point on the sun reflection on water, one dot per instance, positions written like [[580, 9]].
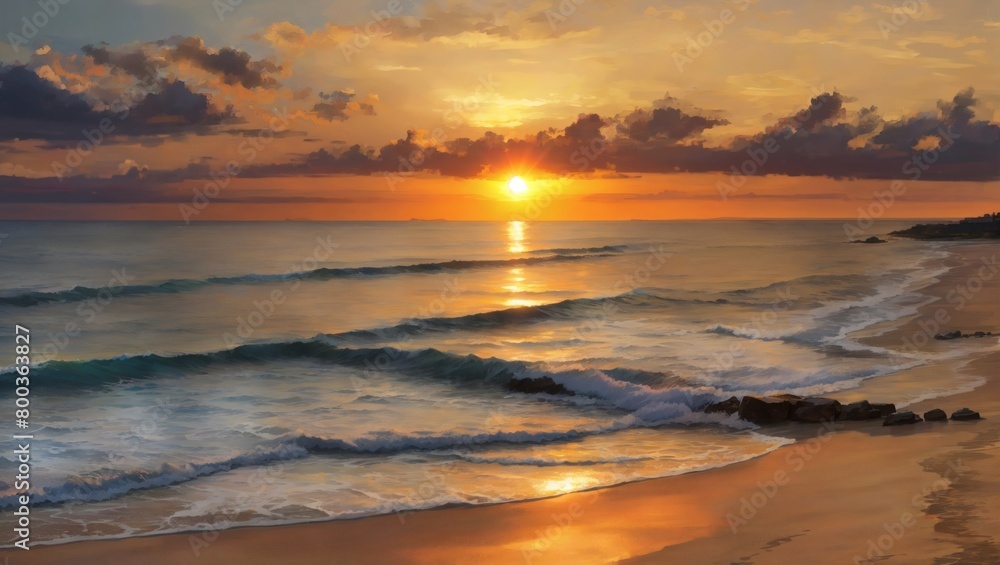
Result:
[[568, 483], [515, 237]]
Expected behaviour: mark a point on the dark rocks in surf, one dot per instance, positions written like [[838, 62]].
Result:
[[901, 419], [861, 410], [958, 334], [815, 410], [936, 415], [965, 414], [538, 385], [885, 408], [950, 335], [871, 239], [764, 409], [729, 406], [779, 408]]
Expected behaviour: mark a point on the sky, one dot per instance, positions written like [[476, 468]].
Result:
[[395, 109]]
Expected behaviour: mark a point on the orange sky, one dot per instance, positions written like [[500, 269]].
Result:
[[488, 90]]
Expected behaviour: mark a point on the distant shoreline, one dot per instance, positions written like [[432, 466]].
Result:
[[985, 227]]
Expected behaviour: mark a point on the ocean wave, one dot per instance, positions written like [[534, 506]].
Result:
[[574, 308], [112, 483], [80, 293], [744, 332], [102, 372], [577, 250], [386, 442], [536, 461]]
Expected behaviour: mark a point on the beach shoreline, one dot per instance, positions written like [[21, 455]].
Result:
[[809, 501]]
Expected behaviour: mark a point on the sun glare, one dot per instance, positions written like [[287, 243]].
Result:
[[517, 186]]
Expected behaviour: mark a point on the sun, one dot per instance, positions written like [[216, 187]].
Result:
[[517, 186]]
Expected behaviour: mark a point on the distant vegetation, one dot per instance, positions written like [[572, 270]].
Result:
[[985, 226]]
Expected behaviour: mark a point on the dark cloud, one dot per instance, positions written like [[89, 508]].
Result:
[[335, 106], [34, 108], [146, 62], [231, 65], [822, 139], [26, 96], [176, 104], [135, 63]]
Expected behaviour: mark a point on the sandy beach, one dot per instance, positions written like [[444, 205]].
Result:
[[854, 492]]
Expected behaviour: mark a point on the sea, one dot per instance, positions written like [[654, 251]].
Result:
[[218, 375]]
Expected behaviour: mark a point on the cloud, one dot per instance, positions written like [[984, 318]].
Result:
[[32, 107], [824, 139], [135, 63], [232, 65], [336, 105], [665, 122]]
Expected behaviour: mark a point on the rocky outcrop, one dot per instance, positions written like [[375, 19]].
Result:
[[764, 409], [815, 410], [884, 408], [965, 414], [936, 415], [538, 385], [901, 419], [958, 334], [871, 239], [861, 410], [729, 406], [959, 230]]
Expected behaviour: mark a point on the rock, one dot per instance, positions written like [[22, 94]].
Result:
[[789, 397], [728, 406], [901, 418], [980, 334], [884, 408], [535, 386], [936, 415], [816, 409], [764, 409], [965, 414], [871, 239], [950, 335], [861, 410]]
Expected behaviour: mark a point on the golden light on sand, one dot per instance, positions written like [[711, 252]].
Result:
[[517, 186]]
